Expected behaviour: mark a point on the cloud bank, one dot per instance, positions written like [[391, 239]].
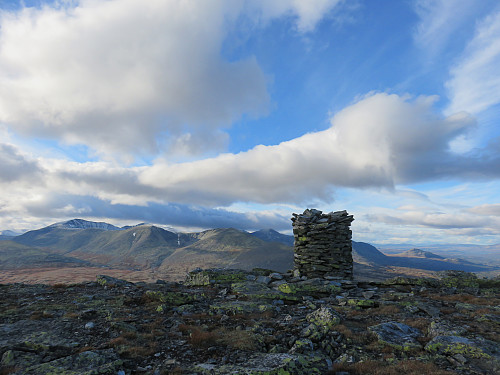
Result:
[[129, 77], [381, 141]]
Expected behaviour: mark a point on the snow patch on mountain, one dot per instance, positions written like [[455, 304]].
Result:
[[84, 224]]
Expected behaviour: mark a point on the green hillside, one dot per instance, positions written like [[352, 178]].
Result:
[[142, 246], [230, 248], [15, 256]]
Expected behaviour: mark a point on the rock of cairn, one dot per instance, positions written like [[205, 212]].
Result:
[[323, 244]]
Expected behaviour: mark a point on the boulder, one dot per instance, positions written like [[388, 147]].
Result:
[[397, 335]]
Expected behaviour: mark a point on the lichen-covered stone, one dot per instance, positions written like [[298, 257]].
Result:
[[312, 287], [324, 316], [170, 297], [397, 335], [363, 303], [457, 345], [270, 364], [106, 280], [99, 362], [239, 307], [201, 277]]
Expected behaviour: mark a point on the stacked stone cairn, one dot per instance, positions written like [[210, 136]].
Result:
[[323, 246]]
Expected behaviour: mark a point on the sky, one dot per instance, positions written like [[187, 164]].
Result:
[[237, 113]]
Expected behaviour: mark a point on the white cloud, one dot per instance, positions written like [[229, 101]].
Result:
[[439, 220], [486, 209], [380, 141], [307, 13], [115, 74], [16, 167], [474, 85], [130, 76], [439, 22]]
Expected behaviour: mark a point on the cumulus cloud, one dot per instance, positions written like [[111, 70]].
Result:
[[15, 167], [474, 85], [131, 77], [115, 74], [60, 206], [380, 141]]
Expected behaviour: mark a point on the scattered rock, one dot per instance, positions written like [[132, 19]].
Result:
[[229, 321]]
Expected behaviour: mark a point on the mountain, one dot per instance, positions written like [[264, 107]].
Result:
[[142, 246], [229, 248], [151, 247], [8, 234], [84, 224], [16, 256], [170, 255], [270, 235], [364, 253], [417, 253]]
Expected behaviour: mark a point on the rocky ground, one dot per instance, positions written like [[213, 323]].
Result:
[[259, 322]]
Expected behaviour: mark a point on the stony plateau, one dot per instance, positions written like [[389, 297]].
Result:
[[252, 322]]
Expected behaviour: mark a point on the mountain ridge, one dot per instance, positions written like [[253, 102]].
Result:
[[148, 247]]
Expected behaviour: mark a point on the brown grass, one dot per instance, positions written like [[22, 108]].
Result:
[[8, 370], [242, 340], [118, 341], [71, 315], [60, 286], [466, 298], [381, 310], [363, 337], [488, 331], [139, 351], [85, 349], [198, 337], [407, 367], [386, 310], [236, 339], [133, 349], [37, 315], [419, 323], [447, 310]]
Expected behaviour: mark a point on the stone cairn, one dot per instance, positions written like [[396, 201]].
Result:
[[323, 246]]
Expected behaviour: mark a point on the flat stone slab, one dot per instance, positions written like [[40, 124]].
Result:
[[398, 335], [270, 364], [36, 335], [102, 362], [450, 345]]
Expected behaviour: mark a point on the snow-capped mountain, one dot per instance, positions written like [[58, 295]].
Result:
[[84, 224]]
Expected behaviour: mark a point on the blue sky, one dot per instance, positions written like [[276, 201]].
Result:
[[234, 113]]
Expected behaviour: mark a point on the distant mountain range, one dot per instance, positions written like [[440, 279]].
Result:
[[82, 243], [79, 242], [8, 234]]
